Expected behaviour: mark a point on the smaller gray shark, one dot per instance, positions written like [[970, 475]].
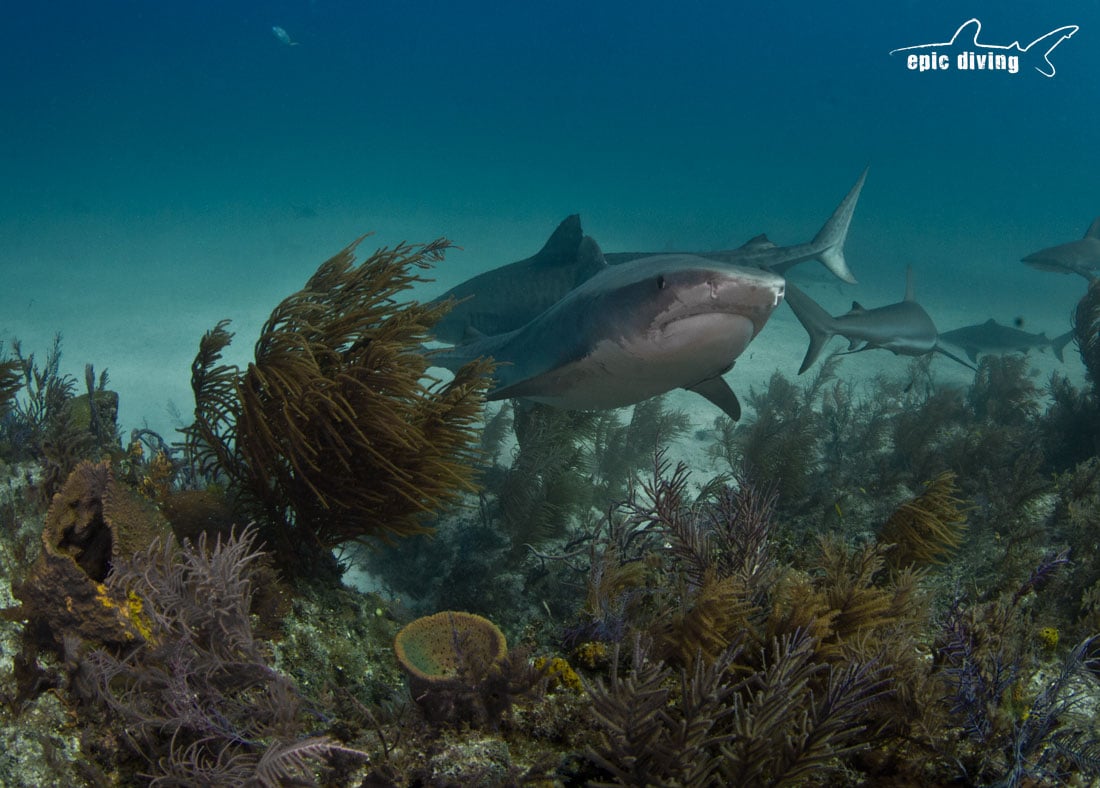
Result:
[[992, 338], [632, 332], [904, 328], [1076, 257]]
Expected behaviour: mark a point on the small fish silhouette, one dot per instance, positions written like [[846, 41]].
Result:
[[283, 36]]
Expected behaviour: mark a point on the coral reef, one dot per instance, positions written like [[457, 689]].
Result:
[[198, 700], [334, 434], [777, 726], [1020, 724], [890, 585]]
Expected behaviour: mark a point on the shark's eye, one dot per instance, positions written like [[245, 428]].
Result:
[[660, 282]]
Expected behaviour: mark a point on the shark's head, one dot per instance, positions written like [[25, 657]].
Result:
[[693, 296], [678, 317]]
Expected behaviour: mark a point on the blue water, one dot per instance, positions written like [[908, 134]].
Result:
[[165, 165]]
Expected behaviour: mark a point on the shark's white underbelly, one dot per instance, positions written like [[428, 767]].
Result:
[[617, 373]]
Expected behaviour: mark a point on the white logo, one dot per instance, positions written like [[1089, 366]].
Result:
[[973, 56]]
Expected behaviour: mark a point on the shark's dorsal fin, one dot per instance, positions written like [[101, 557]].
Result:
[[990, 322], [561, 247], [909, 287], [718, 392], [1094, 229], [590, 260], [758, 242], [856, 308]]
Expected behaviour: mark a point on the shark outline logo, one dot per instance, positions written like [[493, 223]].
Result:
[[1058, 35]]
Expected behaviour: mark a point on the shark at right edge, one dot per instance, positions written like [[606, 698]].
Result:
[[1080, 257]]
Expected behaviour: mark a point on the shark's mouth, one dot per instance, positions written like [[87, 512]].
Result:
[[725, 332], [698, 318]]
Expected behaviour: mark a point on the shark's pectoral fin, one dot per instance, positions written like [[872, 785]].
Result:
[[719, 393], [942, 350]]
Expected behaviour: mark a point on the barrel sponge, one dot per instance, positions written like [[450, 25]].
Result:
[[434, 649], [93, 521]]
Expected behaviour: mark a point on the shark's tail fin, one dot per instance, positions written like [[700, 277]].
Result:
[[1058, 344], [818, 323], [830, 239]]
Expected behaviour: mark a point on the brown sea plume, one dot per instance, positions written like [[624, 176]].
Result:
[[11, 380], [929, 527], [335, 432]]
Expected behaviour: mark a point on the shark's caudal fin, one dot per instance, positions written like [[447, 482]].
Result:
[[1058, 344], [830, 238], [818, 323]]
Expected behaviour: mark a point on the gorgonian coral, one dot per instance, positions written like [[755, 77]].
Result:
[[335, 432]]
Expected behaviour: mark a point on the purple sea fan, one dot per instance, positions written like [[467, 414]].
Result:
[[198, 700]]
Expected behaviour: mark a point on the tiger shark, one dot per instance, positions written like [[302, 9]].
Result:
[[904, 328], [1076, 257], [631, 332], [508, 297]]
